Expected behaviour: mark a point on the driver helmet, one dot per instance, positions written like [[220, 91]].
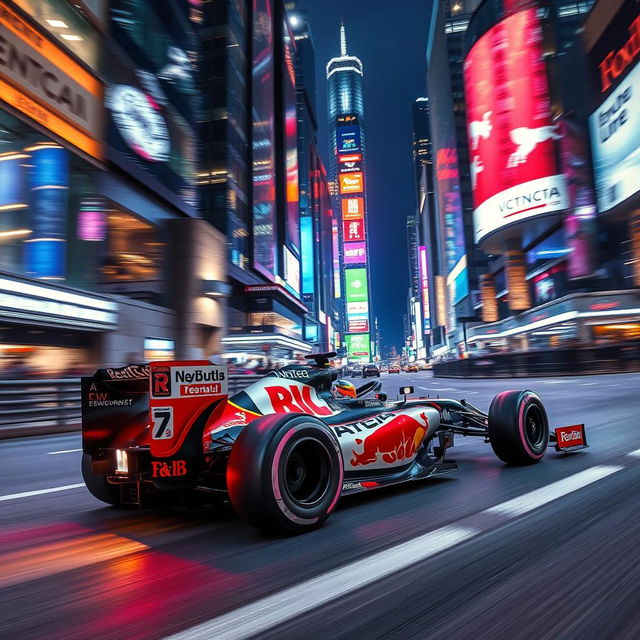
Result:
[[344, 389]]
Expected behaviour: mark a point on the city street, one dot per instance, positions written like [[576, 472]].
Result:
[[545, 551]]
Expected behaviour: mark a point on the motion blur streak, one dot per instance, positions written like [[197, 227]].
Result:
[[534, 499], [50, 559], [268, 612]]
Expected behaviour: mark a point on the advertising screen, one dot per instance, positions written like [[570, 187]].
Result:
[[423, 270], [264, 192], [353, 230], [307, 254], [511, 135], [357, 309], [355, 253], [350, 157], [291, 140], [358, 346], [352, 208], [350, 167], [614, 63], [358, 325], [351, 182], [337, 279], [348, 138], [356, 284], [291, 271]]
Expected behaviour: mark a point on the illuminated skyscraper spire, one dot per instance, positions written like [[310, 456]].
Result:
[[343, 40]]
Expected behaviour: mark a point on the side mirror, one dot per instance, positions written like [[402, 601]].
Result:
[[404, 391], [382, 397]]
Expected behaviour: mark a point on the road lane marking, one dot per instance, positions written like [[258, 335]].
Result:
[[39, 492], [539, 497], [268, 612], [634, 454], [55, 453], [41, 561], [265, 613]]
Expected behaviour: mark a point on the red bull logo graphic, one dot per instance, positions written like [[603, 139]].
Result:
[[394, 441]]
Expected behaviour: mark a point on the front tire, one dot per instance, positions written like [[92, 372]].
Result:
[[518, 427], [98, 485], [285, 473]]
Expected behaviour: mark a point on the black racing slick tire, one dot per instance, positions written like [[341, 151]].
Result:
[[285, 473], [518, 427], [97, 484]]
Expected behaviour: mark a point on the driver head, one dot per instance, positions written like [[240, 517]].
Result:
[[344, 389]]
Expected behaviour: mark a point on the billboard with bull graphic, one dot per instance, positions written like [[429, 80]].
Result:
[[514, 173]]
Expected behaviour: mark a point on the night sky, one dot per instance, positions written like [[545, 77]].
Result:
[[390, 39]]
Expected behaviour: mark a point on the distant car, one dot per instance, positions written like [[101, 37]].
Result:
[[347, 372], [370, 371], [356, 372], [394, 368], [412, 368], [425, 366]]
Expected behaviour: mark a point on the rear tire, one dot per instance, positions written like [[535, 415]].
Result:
[[285, 473], [97, 484], [518, 427]]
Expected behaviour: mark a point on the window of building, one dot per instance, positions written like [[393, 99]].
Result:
[[133, 251], [67, 26]]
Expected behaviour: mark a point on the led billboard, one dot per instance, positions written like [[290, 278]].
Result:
[[358, 325], [423, 271], [351, 182], [353, 230], [348, 138], [514, 175], [264, 190], [355, 253], [615, 124], [356, 285], [358, 346], [291, 140], [352, 208]]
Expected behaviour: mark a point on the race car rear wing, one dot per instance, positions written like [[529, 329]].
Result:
[[155, 405]]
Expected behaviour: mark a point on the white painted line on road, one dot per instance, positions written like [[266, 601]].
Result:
[[268, 612], [39, 492], [538, 497], [589, 384], [634, 454], [55, 453]]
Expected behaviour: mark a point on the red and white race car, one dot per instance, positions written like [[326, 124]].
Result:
[[284, 449]]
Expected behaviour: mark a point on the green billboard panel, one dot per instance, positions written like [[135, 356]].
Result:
[[356, 281], [358, 346]]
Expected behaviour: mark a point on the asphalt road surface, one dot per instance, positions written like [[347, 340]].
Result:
[[550, 551]]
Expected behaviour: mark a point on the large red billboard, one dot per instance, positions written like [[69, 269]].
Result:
[[514, 174]]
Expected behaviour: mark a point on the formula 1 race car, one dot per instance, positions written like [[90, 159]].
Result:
[[284, 449]]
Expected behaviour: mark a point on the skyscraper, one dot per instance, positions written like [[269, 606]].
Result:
[[347, 136]]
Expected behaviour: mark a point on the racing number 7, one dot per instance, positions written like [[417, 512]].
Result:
[[162, 418]]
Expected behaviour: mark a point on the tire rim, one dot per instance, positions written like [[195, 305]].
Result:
[[307, 472], [534, 428]]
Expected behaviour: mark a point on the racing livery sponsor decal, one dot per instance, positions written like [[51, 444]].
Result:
[[162, 423], [385, 440], [280, 396], [292, 374], [569, 437], [170, 469], [178, 394]]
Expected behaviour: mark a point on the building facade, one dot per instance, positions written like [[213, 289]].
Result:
[[87, 197], [348, 154], [563, 267]]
